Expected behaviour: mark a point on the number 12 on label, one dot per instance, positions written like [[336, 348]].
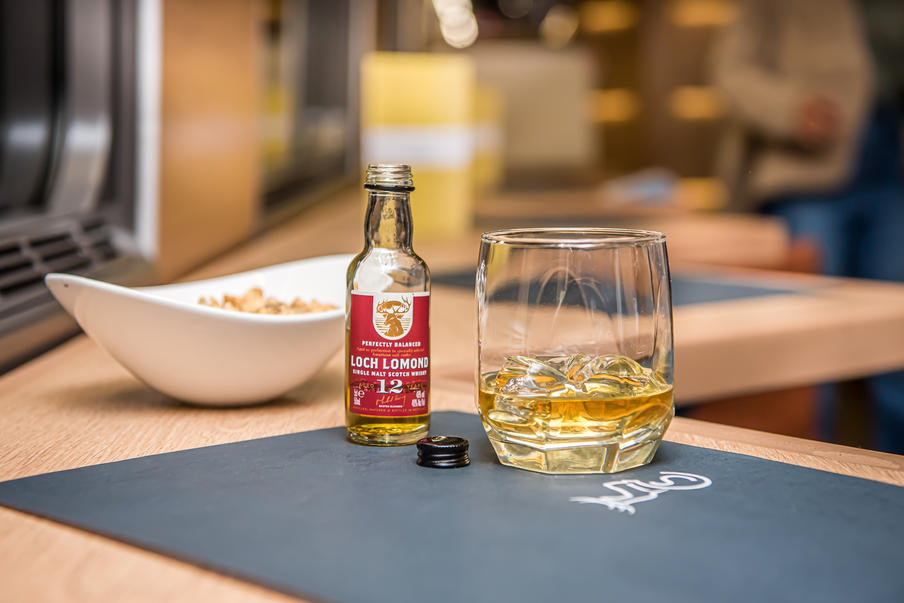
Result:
[[395, 386]]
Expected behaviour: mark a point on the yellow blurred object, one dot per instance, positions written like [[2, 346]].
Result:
[[703, 13], [701, 193], [488, 162], [606, 16], [418, 108], [276, 125], [614, 105], [277, 95], [411, 88], [696, 102], [559, 26]]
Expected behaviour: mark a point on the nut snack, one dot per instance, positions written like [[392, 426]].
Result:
[[254, 301]]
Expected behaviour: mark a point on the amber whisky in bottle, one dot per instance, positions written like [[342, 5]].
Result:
[[387, 352]]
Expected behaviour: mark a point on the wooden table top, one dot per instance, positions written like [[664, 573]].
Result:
[[75, 406]]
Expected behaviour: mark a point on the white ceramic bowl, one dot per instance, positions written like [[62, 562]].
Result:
[[208, 355]]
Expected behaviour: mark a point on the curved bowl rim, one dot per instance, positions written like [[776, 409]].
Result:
[[147, 294]]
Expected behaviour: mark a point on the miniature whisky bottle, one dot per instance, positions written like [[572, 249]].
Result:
[[387, 352]]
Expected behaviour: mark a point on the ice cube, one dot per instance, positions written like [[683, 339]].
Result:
[[610, 375], [620, 366], [517, 385], [564, 364], [605, 385], [530, 376], [514, 367], [574, 367], [507, 411]]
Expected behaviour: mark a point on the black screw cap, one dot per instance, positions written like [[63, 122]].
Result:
[[443, 452]]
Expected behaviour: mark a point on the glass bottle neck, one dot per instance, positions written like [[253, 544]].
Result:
[[388, 222]]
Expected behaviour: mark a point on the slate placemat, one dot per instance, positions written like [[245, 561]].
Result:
[[686, 289], [312, 515]]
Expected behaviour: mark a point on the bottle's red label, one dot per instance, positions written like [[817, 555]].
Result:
[[389, 354]]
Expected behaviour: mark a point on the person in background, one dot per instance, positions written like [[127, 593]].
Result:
[[815, 91]]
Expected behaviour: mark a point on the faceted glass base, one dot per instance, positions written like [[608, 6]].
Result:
[[610, 455]]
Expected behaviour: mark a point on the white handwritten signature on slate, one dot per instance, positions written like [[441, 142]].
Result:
[[633, 491]]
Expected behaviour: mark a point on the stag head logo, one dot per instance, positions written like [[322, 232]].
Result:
[[392, 314]]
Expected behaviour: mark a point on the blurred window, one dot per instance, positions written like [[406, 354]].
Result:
[[306, 113]]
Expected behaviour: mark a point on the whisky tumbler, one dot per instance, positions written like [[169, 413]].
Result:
[[574, 347]]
